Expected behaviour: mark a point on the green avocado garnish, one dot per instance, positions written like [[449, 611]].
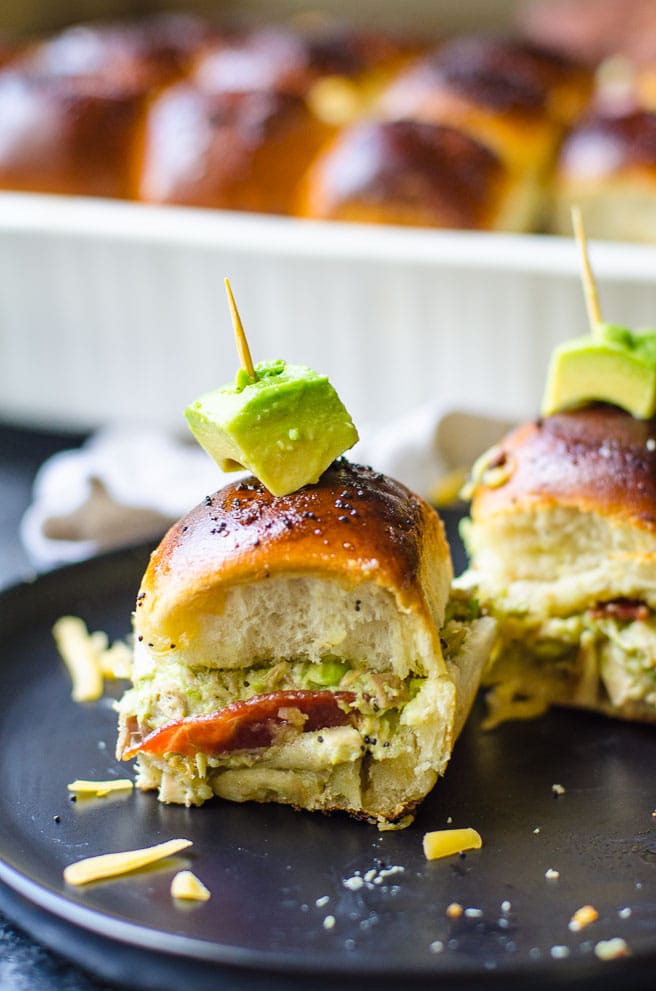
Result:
[[286, 426], [615, 366]]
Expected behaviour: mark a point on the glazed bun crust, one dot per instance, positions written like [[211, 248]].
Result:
[[607, 167], [413, 174], [355, 526], [228, 150], [597, 459]]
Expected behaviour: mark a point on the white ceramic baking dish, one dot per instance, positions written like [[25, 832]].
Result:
[[117, 311]]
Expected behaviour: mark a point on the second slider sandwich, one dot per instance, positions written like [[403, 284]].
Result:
[[562, 535]]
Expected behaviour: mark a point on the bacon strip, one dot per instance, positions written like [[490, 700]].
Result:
[[249, 724], [622, 609]]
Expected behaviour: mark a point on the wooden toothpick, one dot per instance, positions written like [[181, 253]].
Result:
[[243, 349], [589, 285]]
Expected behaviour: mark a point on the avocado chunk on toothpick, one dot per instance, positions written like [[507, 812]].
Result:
[[284, 423], [612, 364]]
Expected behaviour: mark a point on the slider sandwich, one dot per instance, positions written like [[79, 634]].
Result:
[[562, 535], [291, 635], [297, 649], [562, 542]]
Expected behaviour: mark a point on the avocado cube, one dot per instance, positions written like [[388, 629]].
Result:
[[617, 366], [286, 426]]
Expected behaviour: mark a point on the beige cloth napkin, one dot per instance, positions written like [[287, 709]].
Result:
[[128, 484]]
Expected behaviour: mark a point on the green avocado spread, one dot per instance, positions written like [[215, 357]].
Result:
[[615, 366], [286, 426]]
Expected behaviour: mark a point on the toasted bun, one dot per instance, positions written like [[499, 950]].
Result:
[[496, 91], [60, 136], [562, 542], [231, 150], [71, 107], [353, 528], [607, 166], [291, 61], [252, 588], [597, 459], [414, 174]]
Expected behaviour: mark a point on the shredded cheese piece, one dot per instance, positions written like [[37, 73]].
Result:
[[446, 842], [100, 788], [80, 655], [113, 864], [583, 917], [186, 885]]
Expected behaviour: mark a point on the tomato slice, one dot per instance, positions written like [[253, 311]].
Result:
[[249, 724]]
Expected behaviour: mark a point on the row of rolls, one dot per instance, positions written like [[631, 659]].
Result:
[[325, 121]]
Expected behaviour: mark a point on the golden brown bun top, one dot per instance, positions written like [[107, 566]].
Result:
[[140, 53], [597, 459], [605, 144], [496, 76], [502, 76], [437, 175], [231, 150], [62, 137], [289, 61], [354, 524]]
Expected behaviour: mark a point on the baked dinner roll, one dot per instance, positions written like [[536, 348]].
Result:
[[338, 69], [59, 136], [414, 174], [562, 542], [71, 107], [140, 54], [510, 96], [294, 649], [232, 150], [607, 166]]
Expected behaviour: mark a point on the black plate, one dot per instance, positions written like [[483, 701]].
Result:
[[276, 874]]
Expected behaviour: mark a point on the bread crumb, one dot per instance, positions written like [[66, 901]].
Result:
[[557, 790], [353, 883], [559, 952], [505, 906], [611, 949], [583, 917], [320, 902], [436, 946], [329, 922], [454, 910], [625, 913], [551, 874], [474, 913]]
